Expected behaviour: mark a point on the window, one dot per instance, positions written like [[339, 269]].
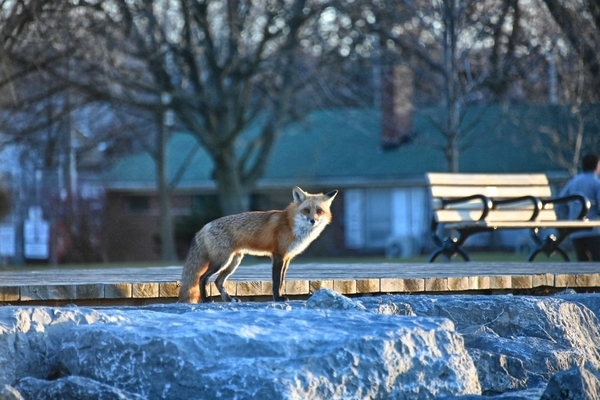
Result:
[[378, 226], [137, 204]]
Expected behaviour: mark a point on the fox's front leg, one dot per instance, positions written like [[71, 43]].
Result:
[[279, 268]]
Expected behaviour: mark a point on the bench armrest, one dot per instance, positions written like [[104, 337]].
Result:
[[537, 203], [486, 202], [585, 203]]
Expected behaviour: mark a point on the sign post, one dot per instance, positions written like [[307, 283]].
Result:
[[7, 240], [36, 235]]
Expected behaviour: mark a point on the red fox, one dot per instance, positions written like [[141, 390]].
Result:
[[281, 234]]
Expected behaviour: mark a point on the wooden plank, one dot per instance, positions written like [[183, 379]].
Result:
[[542, 280], [479, 282], [477, 204], [118, 290], [9, 293], [248, 288], [392, 285], [525, 225], [414, 285], [346, 286], [493, 215], [521, 281], [493, 192], [295, 287], [89, 291], [458, 284], [501, 282], [364, 286], [318, 285], [48, 292], [436, 284], [303, 279], [447, 178], [577, 280], [145, 290], [168, 289]]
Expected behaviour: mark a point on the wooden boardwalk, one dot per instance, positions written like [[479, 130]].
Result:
[[161, 284]]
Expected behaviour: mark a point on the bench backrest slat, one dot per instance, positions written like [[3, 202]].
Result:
[[491, 191], [494, 186], [447, 178]]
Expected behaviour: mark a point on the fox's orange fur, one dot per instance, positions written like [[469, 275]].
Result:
[[282, 234]]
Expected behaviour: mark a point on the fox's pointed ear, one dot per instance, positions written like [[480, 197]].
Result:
[[299, 195], [331, 194]]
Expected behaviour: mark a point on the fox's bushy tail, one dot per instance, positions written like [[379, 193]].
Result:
[[195, 265]]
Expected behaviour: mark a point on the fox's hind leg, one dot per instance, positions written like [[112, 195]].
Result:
[[195, 266], [234, 262], [218, 262], [213, 268]]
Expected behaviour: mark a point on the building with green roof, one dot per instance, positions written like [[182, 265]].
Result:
[[383, 191]]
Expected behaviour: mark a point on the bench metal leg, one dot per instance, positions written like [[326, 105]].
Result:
[[558, 250], [449, 254], [548, 245], [450, 247]]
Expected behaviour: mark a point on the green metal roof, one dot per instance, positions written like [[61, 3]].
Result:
[[344, 145]]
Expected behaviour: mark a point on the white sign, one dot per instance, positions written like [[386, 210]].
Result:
[[7, 240], [36, 235]]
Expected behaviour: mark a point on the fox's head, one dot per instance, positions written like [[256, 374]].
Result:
[[312, 209]]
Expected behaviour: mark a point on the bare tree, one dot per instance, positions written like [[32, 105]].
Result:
[[225, 66], [461, 53], [580, 23], [568, 127], [42, 113], [563, 125]]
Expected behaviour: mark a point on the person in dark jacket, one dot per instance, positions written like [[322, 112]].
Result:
[[586, 243]]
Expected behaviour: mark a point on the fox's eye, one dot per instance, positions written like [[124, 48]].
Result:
[[319, 211], [306, 211]]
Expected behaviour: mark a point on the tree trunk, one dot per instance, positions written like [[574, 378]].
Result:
[[453, 152], [451, 88], [167, 239], [232, 191]]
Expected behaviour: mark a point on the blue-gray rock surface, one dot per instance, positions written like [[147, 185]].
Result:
[[398, 347], [516, 342]]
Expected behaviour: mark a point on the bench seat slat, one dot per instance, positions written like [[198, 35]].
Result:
[[523, 215], [524, 224], [491, 191]]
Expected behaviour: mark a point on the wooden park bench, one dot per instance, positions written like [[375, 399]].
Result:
[[466, 204]]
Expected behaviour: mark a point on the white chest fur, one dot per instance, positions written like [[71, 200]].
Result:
[[305, 233]]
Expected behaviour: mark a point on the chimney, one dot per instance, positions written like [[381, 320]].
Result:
[[397, 88]]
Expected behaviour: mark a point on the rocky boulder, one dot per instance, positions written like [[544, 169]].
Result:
[[331, 346], [516, 342], [70, 387], [30, 338], [225, 351], [577, 383]]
